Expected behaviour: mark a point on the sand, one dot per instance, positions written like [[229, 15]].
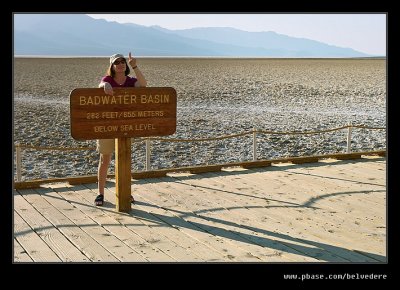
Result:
[[215, 97]]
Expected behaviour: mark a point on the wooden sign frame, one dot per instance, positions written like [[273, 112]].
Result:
[[130, 112]]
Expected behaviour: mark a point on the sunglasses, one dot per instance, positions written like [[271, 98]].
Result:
[[117, 62]]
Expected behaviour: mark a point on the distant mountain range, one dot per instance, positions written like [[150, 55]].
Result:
[[81, 35]]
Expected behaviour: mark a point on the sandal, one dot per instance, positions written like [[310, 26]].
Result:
[[99, 200], [132, 199]]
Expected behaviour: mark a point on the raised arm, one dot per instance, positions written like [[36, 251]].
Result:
[[141, 81]]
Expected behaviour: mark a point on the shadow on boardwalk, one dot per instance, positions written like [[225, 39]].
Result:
[[218, 219]]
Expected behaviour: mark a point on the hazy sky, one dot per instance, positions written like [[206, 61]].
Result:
[[362, 32]]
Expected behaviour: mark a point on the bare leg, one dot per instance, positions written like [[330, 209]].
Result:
[[104, 162]]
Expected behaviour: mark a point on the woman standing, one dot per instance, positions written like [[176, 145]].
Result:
[[117, 76]]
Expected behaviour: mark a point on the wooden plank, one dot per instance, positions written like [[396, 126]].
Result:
[[83, 198], [213, 224], [27, 184], [129, 222], [85, 243], [239, 219], [354, 154], [35, 247], [72, 180], [365, 225], [113, 245], [152, 236], [56, 241], [20, 255], [259, 233], [82, 179], [296, 189], [175, 236], [378, 164], [298, 186], [364, 171], [153, 205], [301, 177], [193, 226], [305, 160], [267, 213], [364, 166], [196, 251], [341, 181], [207, 168], [183, 248], [192, 240], [149, 174], [335, 174], [253, 164], [272, 203], [349, 156]]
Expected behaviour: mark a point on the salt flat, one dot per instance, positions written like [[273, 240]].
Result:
[[216, 97]]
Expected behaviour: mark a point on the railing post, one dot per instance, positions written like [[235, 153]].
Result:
[[349, 138], [254, 144], [148, 151], [18, 161]]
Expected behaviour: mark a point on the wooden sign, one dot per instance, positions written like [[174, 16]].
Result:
[[130, 112]]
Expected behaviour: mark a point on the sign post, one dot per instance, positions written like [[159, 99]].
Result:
[[130, 112], [123, 174]]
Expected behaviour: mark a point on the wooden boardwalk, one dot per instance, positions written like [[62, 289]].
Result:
[[327, 211]]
